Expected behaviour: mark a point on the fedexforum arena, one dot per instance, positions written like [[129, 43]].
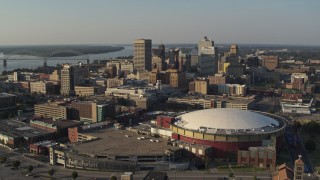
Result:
[[229, 130], [214, 133]]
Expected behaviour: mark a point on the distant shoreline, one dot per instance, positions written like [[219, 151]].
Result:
[[58, 50]]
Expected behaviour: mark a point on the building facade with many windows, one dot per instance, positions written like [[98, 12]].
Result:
[[142, 54]]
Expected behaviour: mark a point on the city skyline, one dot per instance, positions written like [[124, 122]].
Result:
[[121, 22]]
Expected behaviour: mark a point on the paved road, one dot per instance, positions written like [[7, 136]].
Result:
[[41, 169]]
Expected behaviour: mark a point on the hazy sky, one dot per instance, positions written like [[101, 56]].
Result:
[[169, 21]]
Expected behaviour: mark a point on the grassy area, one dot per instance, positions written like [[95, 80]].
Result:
[[315, 155], [241, 169]]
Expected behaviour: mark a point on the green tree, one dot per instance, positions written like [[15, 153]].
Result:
[[3, 159], [74, 175], [310, 145], [113, 178], [312, 127], [51, 172], [30, 168], [230, 174], [16, 163]]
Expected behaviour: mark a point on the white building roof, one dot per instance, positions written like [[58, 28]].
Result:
[[225, 118]]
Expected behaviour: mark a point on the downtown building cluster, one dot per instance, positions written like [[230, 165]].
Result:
[[144, 112]]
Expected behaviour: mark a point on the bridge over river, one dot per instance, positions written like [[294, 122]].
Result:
[[25, 55]]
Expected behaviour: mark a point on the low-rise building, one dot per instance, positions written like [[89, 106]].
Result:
[[218, 79], [232, 89], [208, 102], [15, 133], [42, 87], [114, 82], [7, 101], [287, 173], [258, 156], [89, 90], [291, 94], [60, 127], [53, 110], [41, 148]]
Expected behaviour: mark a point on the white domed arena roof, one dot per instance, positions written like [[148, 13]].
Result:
[[225, 119]]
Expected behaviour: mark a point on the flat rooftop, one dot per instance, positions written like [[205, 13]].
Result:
[[122, 142], [63, 123], [15, 128], [233, 99], [6, 95]]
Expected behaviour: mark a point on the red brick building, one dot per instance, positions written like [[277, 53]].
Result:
[[291, 94], [258, 156], [164, 121], [59, 127]]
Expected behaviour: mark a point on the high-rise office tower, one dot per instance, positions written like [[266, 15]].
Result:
[[159, 58], [67, 80], [142, 54], [162, 55], [208, 60], [234, 50], [174, 56]]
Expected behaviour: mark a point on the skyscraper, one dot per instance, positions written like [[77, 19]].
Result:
[[234, 50], [208, 59], [142, 54], [67, 80], [159, 58]]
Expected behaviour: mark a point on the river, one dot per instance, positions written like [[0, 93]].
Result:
[[32, 62]]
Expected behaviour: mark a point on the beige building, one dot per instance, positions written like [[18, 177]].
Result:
[[298, 169], [126, 66], [218, 79], [52, 110], [115, 63], [142, 75], [67, 80], [114, 82], [84, 91], [201, 86], [244, 103], [178, 79], [54, 76], [153, 77], [40, 87], [142, 54], [85, 111]]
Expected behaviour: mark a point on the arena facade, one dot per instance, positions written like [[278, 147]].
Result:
[[229, 130]]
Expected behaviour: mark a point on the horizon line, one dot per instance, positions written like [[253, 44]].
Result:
[[118, 44]]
